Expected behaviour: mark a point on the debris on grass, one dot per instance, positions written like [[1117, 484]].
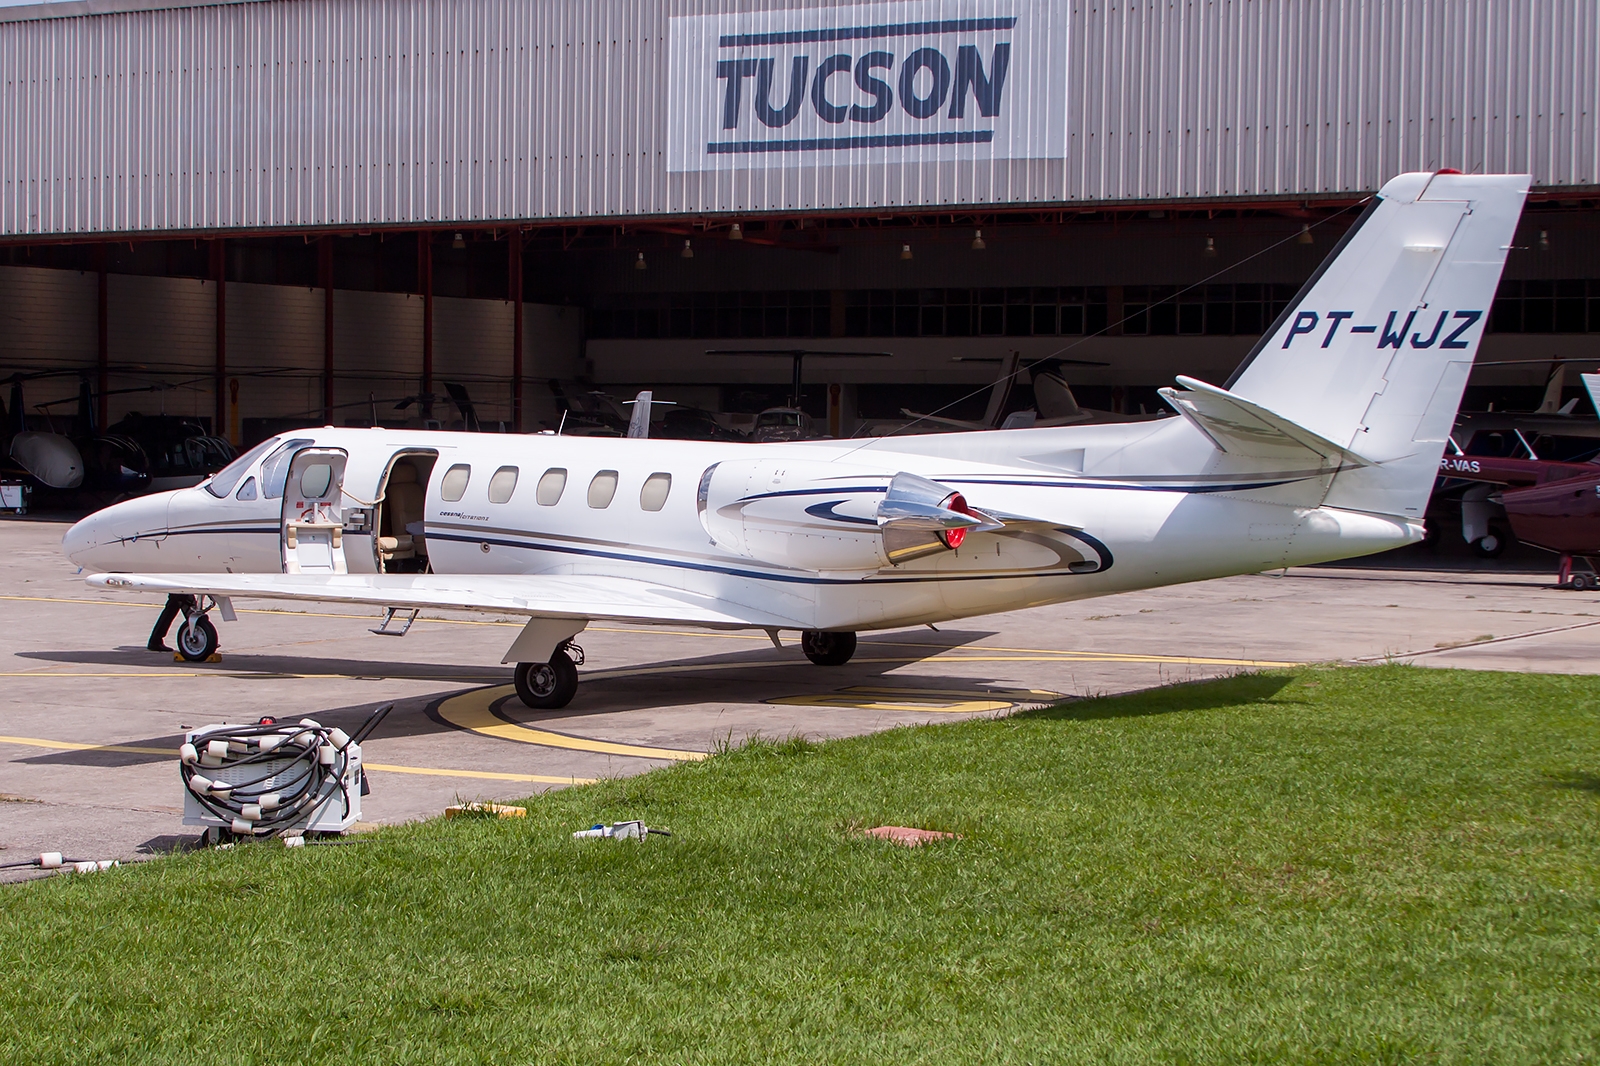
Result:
[[634, 830], [488, 810], [906, 836]]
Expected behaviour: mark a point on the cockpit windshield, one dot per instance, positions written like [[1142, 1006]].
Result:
[[222, 483]]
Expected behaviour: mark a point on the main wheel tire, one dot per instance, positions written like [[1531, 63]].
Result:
[[198, 642], [547, 686], [1489, 547], [828, 648], [1583, 582]]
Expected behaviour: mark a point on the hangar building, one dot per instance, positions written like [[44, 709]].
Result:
[[264, 212]]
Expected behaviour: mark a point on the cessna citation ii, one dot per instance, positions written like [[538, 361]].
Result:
[[1323, 445]]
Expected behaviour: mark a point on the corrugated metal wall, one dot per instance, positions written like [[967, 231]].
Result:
[[305, 113]]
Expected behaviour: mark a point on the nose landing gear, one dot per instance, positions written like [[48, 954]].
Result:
[[549, 686], [197, 638]]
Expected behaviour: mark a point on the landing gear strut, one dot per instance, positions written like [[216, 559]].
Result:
[[549, 686], [828, 648]]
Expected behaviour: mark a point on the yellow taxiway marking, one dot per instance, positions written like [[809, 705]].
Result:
[[938, 701], [473, 712], [431, 771]]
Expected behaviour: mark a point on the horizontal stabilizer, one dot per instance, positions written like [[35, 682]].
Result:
[[1239, 427], [531, 595]]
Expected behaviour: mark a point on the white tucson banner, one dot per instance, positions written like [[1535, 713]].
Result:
[[899, 82]]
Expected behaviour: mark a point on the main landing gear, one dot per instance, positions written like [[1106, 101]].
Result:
[[826, 647], [550, 686]]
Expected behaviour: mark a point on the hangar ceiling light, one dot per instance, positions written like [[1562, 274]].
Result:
[[688, 250], [977, 241], [736, 234], [1305, 234], [639, 263], [459, 244], [905, 251]]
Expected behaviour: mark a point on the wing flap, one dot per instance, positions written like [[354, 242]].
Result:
[[531, 595]]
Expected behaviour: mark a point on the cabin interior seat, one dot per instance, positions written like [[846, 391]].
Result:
[[403, 506]]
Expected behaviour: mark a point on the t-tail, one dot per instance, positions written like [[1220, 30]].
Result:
[[1364, 371]]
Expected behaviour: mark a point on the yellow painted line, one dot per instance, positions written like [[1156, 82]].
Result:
[[431, 771], [160, 673], [487, 775], [69, 745], [472, 712], [926, 700], [866, 703]]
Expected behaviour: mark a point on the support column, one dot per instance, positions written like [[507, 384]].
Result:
[[516, 331], [219, 274], [325, 268], [102, 355], [425, 283]]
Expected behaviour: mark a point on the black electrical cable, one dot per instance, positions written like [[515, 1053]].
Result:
[[272, 776]]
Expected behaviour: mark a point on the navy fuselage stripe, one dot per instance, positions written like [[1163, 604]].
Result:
[[756, 575]]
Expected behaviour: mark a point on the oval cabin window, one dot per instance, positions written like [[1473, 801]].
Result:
[[653, 496], [503, 484], [453, 486], [603, 488], [315, 480], [551, 486]]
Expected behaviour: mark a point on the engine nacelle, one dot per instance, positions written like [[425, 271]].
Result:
[[830, 516]]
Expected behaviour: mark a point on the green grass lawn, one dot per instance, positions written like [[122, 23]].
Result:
[[1385, 864]]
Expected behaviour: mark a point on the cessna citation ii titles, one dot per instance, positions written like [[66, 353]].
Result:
[[1323, 445]]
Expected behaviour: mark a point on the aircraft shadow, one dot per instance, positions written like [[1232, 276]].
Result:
[[742, 677], [1208, 695]]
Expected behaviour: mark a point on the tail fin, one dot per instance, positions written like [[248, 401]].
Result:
[[1374, 352]]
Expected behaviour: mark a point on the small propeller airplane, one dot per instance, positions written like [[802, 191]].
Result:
[[1324, 445]]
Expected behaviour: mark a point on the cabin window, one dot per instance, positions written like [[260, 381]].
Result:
[[503, 484], [603, 488], [315, 480], [275, 468], [653, 496], [225, 479], [453, 485], [551, 486], [247, 491]]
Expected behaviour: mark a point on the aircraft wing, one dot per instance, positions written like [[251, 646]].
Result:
[[1236, 425], [532, 595]]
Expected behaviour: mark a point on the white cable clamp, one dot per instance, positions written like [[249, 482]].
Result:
[[188, 753], [50, 860]]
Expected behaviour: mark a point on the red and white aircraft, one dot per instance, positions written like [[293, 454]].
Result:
[[1324, 445]]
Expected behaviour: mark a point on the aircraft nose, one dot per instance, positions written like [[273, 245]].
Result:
[[101, 541], [83, 537]]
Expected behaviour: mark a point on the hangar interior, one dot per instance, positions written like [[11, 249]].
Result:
[[945, 299], [253, 322]]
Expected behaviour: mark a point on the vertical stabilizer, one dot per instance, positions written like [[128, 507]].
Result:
[[1374, 352]]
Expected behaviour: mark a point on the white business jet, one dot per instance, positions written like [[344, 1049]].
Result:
[[1324, 445]]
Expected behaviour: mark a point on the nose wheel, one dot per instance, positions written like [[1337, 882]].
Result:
[[197, 638], [827, 648], [549, 686]]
